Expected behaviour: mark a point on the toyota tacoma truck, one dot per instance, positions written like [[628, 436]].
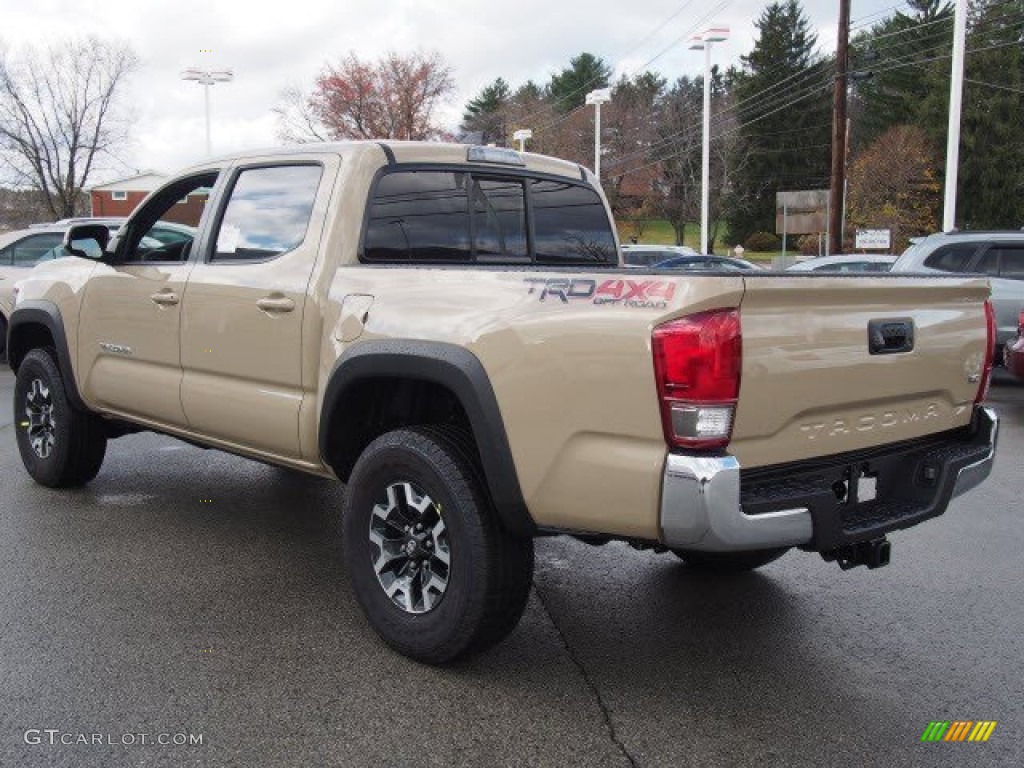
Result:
[[448, 330]]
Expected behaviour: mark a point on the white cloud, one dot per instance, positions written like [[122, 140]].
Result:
[[270, 45]]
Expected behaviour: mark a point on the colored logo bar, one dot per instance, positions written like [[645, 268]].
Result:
[[958, 730]]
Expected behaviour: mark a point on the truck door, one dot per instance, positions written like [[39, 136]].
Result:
[[242, 336], [128, 345]]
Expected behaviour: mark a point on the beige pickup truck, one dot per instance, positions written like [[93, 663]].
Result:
[[448, 330]]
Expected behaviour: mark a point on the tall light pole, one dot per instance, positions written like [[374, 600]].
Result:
[[521, 136], [956, 91], [703, 42], [206, 78], [597, 98]]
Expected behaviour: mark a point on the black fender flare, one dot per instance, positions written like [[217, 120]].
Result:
[[461, 372], [35, 312]]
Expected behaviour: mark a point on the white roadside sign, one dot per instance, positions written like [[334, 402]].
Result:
[[873, 239]]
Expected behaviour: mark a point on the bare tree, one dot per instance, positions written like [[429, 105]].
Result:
[[678, 147], [297, 122], [730, 155], [59, 115], [396, 97]]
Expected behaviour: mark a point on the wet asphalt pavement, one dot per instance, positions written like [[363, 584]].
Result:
[[187, 593]]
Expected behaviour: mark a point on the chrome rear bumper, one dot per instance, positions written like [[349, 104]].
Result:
[[700, 500]]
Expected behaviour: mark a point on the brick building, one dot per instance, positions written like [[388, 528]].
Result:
[[119, 198]]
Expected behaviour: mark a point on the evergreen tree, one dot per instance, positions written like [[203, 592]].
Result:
[[487, 113], [569, 88], [906, 86], [783, 105], [990, 192]]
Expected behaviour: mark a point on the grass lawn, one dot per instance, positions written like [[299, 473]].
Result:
[[660, 232]]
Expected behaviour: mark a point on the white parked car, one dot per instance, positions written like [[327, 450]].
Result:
[[22, 249]]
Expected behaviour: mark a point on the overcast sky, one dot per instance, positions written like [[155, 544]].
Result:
[[272, 44]]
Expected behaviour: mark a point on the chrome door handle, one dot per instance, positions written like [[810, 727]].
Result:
[[276, 304], [165, 298]]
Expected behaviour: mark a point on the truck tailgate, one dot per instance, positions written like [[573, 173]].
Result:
[[811, 383]]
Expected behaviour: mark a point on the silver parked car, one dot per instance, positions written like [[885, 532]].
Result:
[[846, 262], [1000, 255]]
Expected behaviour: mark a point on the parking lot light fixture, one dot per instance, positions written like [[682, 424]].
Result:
[[597, 98], [703, 42], [206, 78]]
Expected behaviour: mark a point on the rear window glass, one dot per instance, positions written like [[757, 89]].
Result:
[[419, 216], [459, 216], [499, 219], [952, 258], [570, 224]]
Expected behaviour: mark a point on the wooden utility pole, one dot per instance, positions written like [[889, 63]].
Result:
[[836, 202]]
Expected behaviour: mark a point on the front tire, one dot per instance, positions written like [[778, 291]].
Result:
[[60, 446], [435, 573], [729, 562]]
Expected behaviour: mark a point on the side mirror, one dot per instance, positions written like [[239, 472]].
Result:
[[87, 240]]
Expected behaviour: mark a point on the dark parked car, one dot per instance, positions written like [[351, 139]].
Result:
[[648, 255], [705, 263]]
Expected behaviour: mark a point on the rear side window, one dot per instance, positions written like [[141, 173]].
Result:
[[952, 258], [267, 213], [1006, 261], [1012, 265], [571, 224], [461, 216]]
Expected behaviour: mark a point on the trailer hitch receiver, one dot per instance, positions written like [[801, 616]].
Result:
[[873, 554]]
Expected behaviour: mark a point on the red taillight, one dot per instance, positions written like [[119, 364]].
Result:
[[697, 366], [990, 351], [1020, 324]]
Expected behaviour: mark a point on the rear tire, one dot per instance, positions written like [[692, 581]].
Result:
[[729, 562], [60, 446], [435, 573], [3, 339]]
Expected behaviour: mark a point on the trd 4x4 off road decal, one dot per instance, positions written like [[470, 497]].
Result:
[[653, 294]]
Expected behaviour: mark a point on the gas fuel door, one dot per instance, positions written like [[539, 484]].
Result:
[[355, 313]]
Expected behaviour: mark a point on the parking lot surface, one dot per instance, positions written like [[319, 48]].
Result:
[[189, 593]]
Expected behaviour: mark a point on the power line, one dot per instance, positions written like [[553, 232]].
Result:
[[863, 21], [940, 33], [631, 51], [994, 85], [720, 136], [745, 108], [742, 108]]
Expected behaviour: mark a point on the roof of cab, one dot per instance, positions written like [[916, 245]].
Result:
[[411, 152]]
